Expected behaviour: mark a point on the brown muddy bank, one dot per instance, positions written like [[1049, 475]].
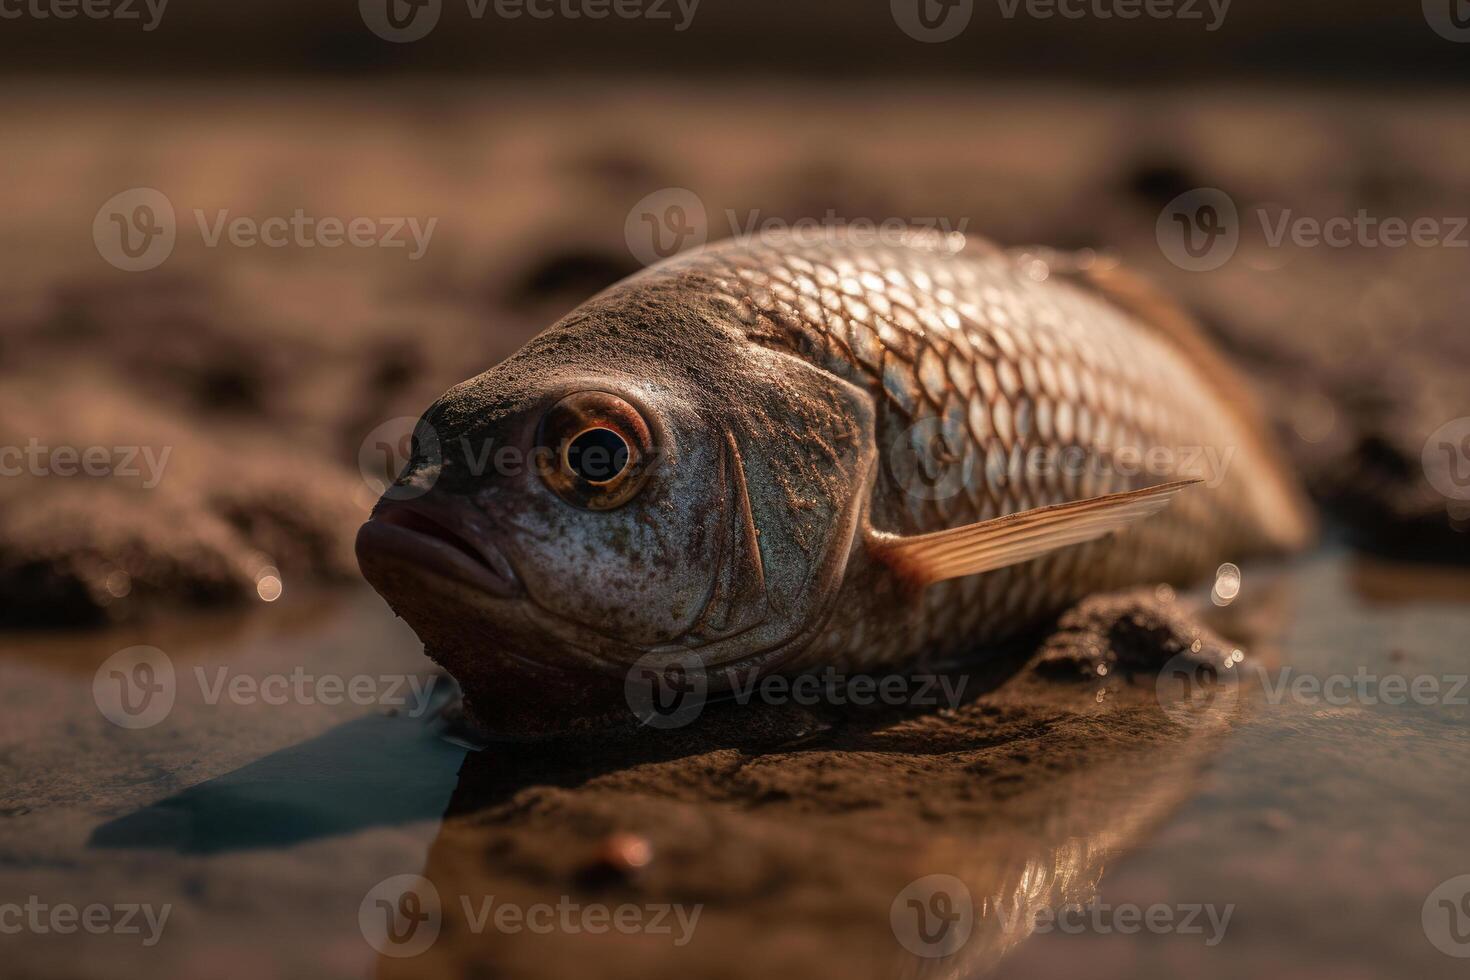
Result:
[[264, 375]]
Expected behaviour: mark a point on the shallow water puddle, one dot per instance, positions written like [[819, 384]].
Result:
[[297, 769]]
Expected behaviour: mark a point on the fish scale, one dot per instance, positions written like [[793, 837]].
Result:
[[1000, 359]]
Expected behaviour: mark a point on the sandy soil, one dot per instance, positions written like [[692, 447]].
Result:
[[263, 371]]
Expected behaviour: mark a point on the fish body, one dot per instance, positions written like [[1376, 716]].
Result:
[[835, 454]]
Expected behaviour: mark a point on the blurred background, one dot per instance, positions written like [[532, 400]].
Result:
[[244, 245], [520, 141]]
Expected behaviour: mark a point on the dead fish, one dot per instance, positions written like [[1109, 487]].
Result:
[[788, 455]]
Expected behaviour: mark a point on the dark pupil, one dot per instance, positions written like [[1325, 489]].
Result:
[[597, 455]]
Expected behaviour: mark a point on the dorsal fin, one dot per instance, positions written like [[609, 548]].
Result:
[[1019, 537]]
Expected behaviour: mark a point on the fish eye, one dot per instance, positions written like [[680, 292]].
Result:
[[594, 450], [597, 455]]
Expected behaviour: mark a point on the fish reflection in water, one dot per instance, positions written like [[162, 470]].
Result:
[[923, 846]]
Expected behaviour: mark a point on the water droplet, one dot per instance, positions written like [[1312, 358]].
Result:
[[1227, 584], [1314, 418], [119, 583], [268, 584]]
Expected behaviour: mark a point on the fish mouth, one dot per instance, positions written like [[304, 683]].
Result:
[[445, 537]]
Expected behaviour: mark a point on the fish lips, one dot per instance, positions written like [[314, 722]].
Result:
[[443, 536]]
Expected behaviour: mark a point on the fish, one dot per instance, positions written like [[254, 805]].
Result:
[[787, 454]]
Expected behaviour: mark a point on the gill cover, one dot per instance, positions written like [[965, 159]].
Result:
[[795, 463]]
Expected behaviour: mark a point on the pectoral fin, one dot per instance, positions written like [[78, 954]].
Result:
[[1019, 537]]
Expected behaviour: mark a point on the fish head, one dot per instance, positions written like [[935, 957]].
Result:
[[640, 484]]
